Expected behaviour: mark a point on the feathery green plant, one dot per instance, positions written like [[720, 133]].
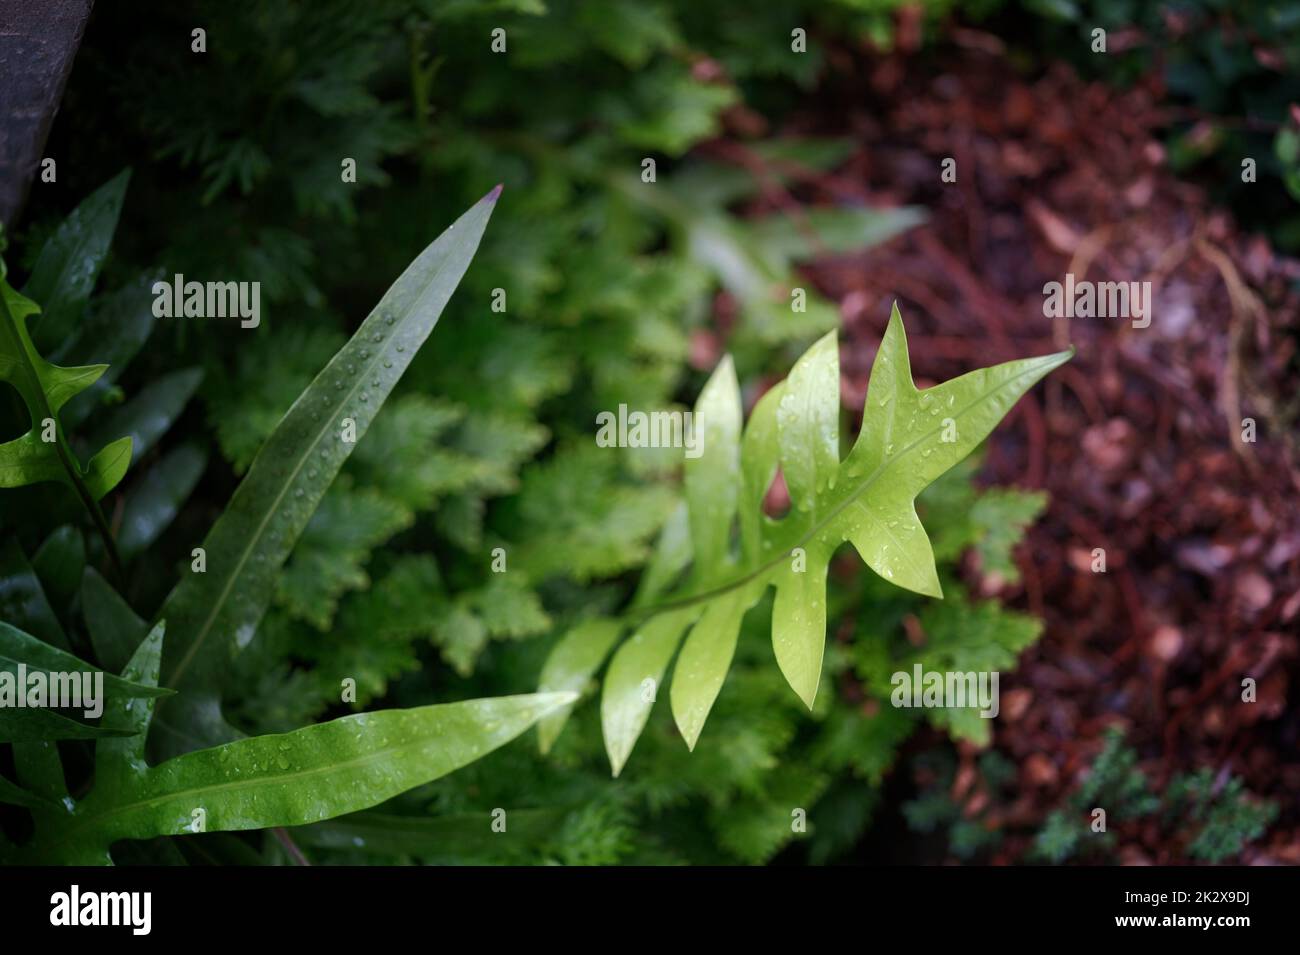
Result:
[[1213, 818]]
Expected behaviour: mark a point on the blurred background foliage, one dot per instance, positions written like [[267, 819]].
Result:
[[615, 292]]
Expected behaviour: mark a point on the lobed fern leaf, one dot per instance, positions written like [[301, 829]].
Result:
[[909, 438], [45, 388]]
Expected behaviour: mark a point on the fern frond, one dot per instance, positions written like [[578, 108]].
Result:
[[909, 438]]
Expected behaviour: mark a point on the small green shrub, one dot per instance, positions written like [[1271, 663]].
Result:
[[1213, 822]]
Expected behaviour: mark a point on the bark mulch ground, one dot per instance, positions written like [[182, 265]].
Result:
[[1138, 440]]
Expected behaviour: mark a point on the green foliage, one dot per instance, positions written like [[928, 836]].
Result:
[[70, 262], [1212, 819], [606, 287], [1228, 817], [867, 499], [292, 779], [80, 327], [960, 637], [934, 810], [300, 777], [602, 286], [730, 799], [45, 388], [215, 612], [22, 657]]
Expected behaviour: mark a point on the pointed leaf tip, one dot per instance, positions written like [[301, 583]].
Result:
[[495, 193]]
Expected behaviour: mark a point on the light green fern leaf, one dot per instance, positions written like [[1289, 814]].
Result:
[[43, 454], [909, 438]]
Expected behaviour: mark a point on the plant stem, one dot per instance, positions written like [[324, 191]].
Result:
[[96, 512]]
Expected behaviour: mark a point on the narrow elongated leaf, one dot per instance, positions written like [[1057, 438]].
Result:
[[118, 760], [112, 333], [760, 458], [212, 614], [672, 555], [808, 424], [59, 562], [712, 478], [115, 630], [69, 263], [908, 439], [571, 664], [146, 417], [632, 683], [17, 648], [22, 598], [37, 723], [704, 661], [292, 779], [821, 231], [153, 503], [799, 620]]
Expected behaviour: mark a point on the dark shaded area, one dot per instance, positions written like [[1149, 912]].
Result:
[[38, 40]]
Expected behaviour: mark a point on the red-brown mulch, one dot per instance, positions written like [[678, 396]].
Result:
[[1138, 440]]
